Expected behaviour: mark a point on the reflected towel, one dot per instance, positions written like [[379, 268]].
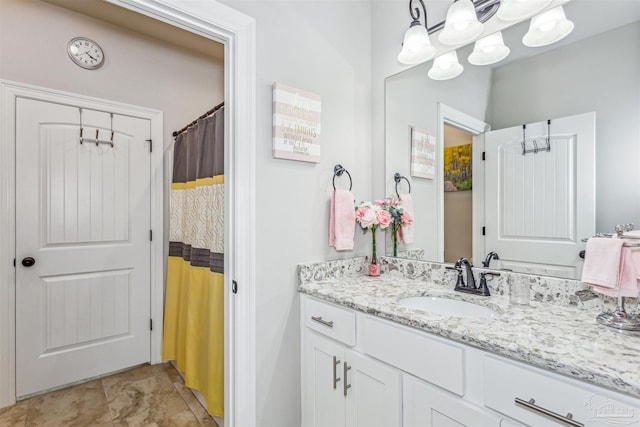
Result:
[[406, 231], [342, 220], [610, 268]]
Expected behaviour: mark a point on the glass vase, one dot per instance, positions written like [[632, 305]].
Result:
[[374, 267], [395, 228]]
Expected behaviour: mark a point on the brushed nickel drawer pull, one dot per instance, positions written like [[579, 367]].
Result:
[[568, 419], [336, 362], [346, 386], [328, 323]]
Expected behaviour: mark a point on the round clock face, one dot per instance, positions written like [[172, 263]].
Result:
[[85, 53]]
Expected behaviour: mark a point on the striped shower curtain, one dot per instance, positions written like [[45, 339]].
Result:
[[194, 316]]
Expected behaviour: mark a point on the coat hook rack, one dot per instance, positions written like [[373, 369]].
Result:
[[97, 139], [338, 170], [535, 148], [397, 178]]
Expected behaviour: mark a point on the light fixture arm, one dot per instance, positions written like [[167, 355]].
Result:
[[416, 16], [485, 9]]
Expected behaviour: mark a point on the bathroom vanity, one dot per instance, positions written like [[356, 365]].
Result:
[[369, 359]]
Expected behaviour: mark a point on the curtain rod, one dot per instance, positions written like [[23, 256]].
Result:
[[207, 114]]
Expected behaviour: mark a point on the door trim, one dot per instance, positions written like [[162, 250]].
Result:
[[453, 117], [10, 92], [237, 32]]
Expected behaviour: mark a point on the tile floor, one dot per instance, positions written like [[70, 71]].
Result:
[[152, 396]]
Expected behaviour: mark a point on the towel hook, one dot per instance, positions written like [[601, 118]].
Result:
[[397, 178], [338, 170]]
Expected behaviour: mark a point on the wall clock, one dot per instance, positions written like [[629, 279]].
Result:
[[85, 53]]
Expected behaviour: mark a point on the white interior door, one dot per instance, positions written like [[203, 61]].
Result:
[[83, 215], [540, 205]]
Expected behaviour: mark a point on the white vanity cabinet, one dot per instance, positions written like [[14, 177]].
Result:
[[342, 387], [359, 370]]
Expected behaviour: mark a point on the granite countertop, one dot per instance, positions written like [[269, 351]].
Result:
[[560, 338]]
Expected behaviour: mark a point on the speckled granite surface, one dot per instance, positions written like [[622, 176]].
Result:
[[556, 331]]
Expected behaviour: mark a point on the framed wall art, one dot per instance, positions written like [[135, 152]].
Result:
[[423, 154], [296, 124]]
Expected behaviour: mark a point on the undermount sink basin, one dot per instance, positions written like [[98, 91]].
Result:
[[449, 307]]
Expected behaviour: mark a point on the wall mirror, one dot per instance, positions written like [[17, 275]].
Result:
[[589, 80]]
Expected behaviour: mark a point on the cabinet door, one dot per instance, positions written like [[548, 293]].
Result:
[[373, 393], [324, 402], [427, 406]]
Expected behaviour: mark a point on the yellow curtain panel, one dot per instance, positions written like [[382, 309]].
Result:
[[194, 307]]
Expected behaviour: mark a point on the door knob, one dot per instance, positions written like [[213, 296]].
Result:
[[28, 261]]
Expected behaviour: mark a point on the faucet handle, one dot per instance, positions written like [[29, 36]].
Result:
[[460, 279], [483, 289]]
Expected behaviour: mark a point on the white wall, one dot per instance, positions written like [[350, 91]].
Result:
[[600, 74], [138, 69], [322, 47]]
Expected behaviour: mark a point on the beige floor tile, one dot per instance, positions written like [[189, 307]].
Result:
[[142, 397], [82, 405], [15, 415], [173, 373], [200, 413], [181, 419], [147, 396]]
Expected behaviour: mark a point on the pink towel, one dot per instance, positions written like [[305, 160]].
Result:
[[610, 268], [406, 231], [342, 220]]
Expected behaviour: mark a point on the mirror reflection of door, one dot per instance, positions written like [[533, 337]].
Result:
[[458, 199]]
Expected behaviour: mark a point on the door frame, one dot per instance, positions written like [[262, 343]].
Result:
[[237, 32], [10, 92], [450, 116]]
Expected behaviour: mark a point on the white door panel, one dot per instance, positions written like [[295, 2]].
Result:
[[83, 213], [540, 205]]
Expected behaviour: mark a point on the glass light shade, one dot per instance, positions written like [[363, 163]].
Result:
[[445, 67], [514, 10], [548, 27], [417, 47], [489, 50], [461, 25]]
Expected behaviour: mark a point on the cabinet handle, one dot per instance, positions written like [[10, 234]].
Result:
[[336, 362], [346, 386], [328, 323], [568, 419]]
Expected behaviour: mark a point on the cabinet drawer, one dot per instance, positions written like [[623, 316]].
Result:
[[335, 322], [414, 352], [505, 381]]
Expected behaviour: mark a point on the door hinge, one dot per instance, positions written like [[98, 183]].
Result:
[[150, 141], [484, 231], [234, 286], [151, 235], [483, 155], [151, 324], [14, 262]]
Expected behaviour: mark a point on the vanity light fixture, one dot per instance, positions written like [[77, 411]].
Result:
[[515, 10], [489, 50], [547, 28], [461, 25], [416, 47], [446, 67]]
